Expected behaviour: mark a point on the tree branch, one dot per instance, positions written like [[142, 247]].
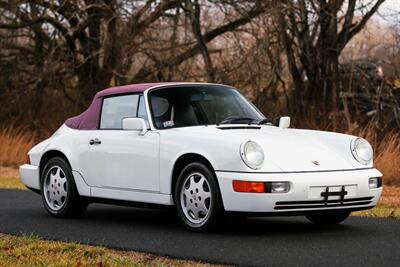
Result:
[[350, 30], [194, 50]]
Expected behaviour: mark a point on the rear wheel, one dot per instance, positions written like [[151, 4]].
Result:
[[197, 198], [329, 218], [59, 194]]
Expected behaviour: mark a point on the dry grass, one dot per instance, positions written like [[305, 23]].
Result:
[[32, 251], [388, 206], [386, 153], [390, 196], [8, 172], [387, 159], [15, 144], [9, 178], [380, 211], [11, 183]]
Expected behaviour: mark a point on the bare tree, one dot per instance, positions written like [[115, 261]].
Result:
[[56, 54], [98, 41], [193, 9], [313, 34]]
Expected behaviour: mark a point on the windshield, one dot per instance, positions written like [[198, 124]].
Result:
[[200, 105]]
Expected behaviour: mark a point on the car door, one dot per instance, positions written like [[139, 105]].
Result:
[[124, 159]]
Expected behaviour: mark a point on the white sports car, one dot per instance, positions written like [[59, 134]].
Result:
[[203, 148]]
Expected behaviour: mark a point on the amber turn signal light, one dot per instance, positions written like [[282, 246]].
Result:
[[248, 187]]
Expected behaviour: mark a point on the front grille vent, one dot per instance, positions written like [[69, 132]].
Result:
[[315, 204]]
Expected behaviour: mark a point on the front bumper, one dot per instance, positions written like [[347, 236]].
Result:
[[305, 193], [29, 175]]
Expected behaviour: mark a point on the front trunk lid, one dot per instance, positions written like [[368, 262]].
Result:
[[293, 151]]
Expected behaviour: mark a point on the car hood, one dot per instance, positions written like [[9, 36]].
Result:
[[290, 150], [294, 150]]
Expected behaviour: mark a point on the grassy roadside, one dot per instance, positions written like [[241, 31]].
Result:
[[9, 179], [33, 251], [388, 206], [11, 183], [380, 211]]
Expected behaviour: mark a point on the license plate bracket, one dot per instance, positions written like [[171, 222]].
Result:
[[325, 194]]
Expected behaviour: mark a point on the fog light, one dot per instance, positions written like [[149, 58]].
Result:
[[277, 187], [375, 182]]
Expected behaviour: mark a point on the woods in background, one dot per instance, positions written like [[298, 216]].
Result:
[[289, 57]]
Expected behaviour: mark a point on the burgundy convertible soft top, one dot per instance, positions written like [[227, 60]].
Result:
[[89, 119]]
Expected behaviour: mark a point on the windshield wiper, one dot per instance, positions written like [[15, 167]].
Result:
[[264, 121], [236, 120], [245, 120]]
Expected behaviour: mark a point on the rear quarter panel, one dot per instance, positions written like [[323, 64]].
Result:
[[72, 143]]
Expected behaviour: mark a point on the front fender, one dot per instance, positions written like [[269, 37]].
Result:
[[222, 153]]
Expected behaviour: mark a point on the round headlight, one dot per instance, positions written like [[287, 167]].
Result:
[[252, 154], [362, 151]]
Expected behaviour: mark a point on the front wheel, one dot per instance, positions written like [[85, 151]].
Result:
[[197, 198], [59, 194], [329, 218]]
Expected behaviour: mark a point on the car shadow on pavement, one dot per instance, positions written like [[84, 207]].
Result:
[[167, 220]]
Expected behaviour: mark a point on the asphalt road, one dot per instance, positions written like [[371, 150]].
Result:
[[283, 241]]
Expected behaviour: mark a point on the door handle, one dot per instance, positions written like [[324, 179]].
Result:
[[95, 141]]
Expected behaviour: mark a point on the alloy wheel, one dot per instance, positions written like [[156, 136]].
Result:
[[55, 188], [196, 198]]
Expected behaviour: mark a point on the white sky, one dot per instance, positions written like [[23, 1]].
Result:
[[389, 12]]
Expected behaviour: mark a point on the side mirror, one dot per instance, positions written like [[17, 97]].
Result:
[[134, 124], [284, 122]]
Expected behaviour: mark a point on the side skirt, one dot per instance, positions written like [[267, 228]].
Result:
[[132, 195], [127, 203]]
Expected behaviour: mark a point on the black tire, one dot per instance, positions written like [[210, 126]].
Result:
[[330, 218], [215, 211], [72, 205]]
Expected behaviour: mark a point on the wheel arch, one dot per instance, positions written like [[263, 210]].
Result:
[[49, 155], [184, 160]]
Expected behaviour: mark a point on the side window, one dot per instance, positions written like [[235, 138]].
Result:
[[116, 108], [142, 113]]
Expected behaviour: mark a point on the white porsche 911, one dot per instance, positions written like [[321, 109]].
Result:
[[203, 148]]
